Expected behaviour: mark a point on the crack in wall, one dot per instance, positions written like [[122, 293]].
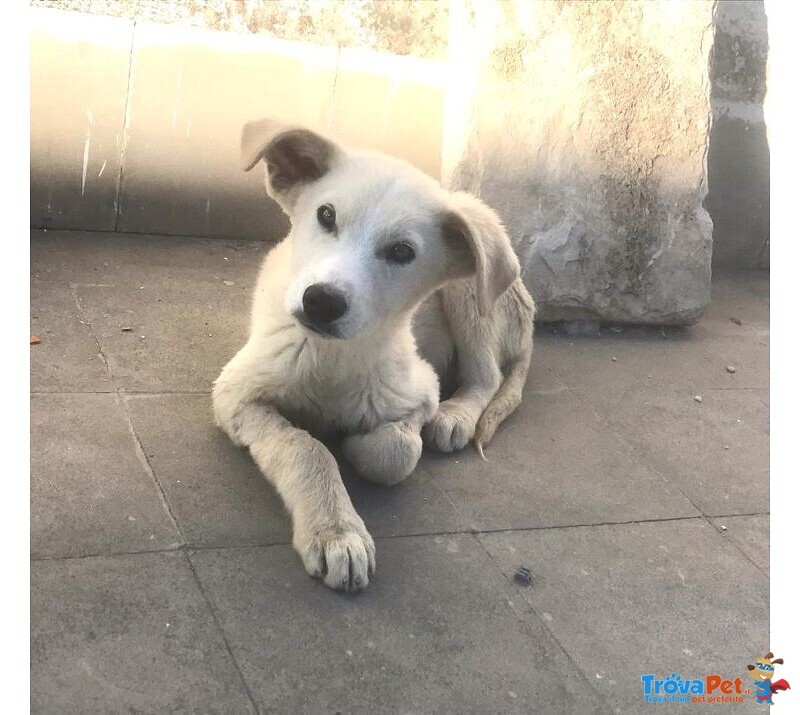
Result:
[[126, 121]]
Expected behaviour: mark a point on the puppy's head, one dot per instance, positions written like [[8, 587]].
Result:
[[372, 236]]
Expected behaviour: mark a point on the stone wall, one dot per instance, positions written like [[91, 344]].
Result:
[[585, 124], [586, 127], [738, 159]]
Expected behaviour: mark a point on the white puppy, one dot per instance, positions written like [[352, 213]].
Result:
[[386, 284]]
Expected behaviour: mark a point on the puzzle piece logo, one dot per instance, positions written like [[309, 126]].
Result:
[[762, 673]]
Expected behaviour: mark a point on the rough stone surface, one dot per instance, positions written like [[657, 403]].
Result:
[[402, 27], [587, 129]]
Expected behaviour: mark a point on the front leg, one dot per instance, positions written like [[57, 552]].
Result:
[[453, 425], [327, 532]]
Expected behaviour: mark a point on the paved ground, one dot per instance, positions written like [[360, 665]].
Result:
[[162, 578]]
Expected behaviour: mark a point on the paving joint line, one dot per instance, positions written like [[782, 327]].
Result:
[[189, 547], [520, 620], [218, 626], [115, 235], [733, 543]]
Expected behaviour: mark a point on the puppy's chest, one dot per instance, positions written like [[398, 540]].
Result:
[[326, 391]]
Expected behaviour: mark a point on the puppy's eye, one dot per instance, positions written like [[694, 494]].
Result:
[[400, 252], [326, 215]]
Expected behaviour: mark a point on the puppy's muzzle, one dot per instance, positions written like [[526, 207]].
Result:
[[323, 305]]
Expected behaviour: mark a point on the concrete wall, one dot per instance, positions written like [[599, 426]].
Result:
[[738, 156], [585, 124], [135, 126], [96, 64]]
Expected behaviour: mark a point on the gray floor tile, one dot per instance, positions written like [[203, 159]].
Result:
[[716, 451], [640, 359], [67, 358], [182, 332], [554, 463], [415, 506], [633, 599], [739, 301], [219, 497], [431, 634], [215, 491], [126, 258], [750, 534], [127, 634], [733, 332], [90, 493], [190, 299]]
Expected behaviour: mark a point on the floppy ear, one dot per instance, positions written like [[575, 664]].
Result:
[[779, 661], [751, 667], [294, 156], [477, 237]]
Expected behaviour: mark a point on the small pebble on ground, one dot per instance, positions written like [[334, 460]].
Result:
[[523, 576]]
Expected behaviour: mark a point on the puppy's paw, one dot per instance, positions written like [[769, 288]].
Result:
[[387, 455], [450, 430], [343, 556]]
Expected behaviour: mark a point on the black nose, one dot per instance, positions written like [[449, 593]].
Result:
[[323, 303]]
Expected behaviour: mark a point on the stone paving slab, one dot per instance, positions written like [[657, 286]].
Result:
[[216, 492], [90, 493], [627, 600], [716, 451], [692, 360], [618, 359], [219, 497], [739, 301], [555, 463], [190, 301], [181, 332], [432, 633], [68, 357], [126, 634], [126, 258], [750, 534]]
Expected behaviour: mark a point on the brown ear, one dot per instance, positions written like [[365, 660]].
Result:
[[471, 226], [779, 661], [751, 667], [769, 655], [294, 155]]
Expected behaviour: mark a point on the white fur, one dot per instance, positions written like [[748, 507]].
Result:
[[373, 383]]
